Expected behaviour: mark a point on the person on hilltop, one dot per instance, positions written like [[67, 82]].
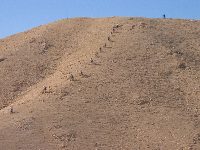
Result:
[[164, 16]]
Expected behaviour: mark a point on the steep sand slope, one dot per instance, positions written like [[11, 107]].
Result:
[[140, 92]]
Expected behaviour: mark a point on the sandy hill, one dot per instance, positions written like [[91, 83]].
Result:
[[102, 84]]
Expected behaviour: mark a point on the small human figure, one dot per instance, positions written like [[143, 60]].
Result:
[[109, 39], [11, 110], [164, 16], [50, 89], [100, 49], [81, 73], [71, 77], [91, 60], [133, 26], [97, 54], [44, 90], [104, 45], [116, 26]]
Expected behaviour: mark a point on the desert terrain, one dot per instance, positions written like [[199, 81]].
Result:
[[116, 83]]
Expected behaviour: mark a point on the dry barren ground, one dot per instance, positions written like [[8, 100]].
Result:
[[102, 84]]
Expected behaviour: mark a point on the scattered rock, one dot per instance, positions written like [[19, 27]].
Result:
[[2, 59], [182, 66]]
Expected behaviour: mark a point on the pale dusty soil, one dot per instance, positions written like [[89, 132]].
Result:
[[141, 92]]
